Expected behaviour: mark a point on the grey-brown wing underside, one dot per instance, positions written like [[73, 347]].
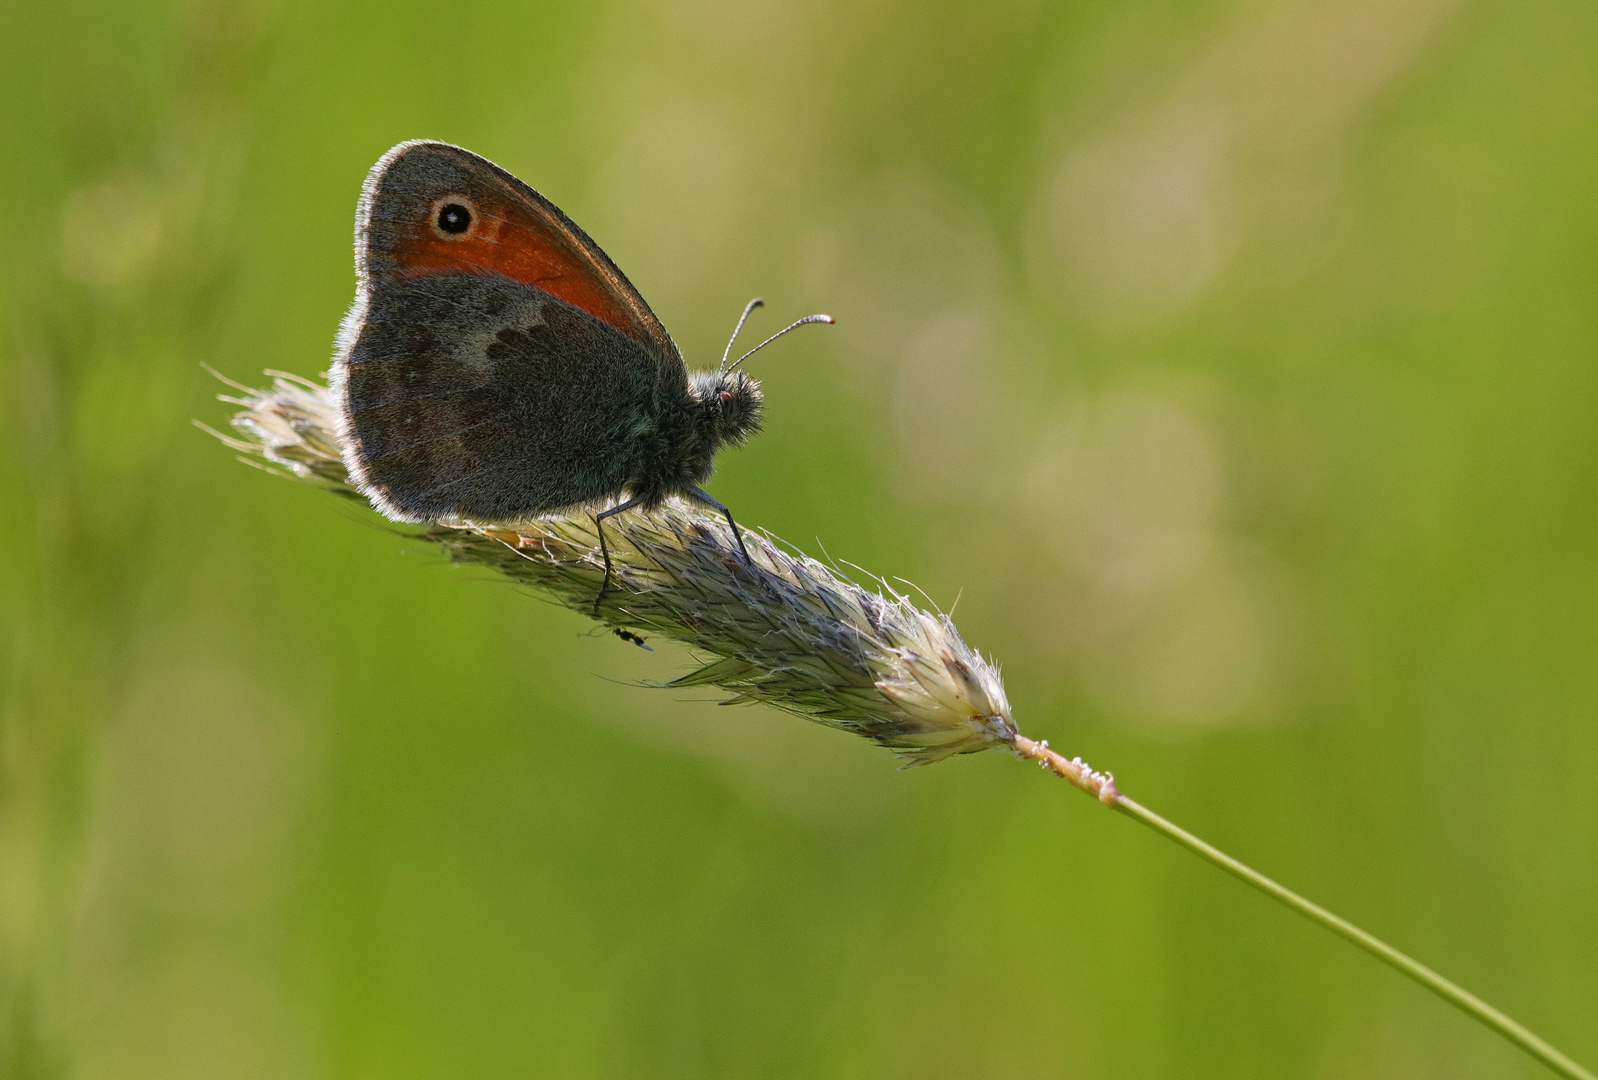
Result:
[[482, 397]]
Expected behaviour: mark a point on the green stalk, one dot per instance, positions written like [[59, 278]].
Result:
[[1102, 786]]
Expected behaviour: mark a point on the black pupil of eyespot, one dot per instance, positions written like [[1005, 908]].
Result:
[[454, 218]]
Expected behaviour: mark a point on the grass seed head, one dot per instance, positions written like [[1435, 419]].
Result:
[[782, 629]]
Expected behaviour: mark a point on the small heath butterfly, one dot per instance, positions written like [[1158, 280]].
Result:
[[496, 365]]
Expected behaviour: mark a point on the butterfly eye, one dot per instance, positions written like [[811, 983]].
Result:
[[454, 218], [726, 398]]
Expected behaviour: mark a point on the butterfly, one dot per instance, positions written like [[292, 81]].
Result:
[[497, 366]]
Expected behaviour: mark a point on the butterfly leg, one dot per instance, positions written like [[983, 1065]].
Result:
[[599, 527], [708, 500]]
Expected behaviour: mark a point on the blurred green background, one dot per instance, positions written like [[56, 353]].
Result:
[[1234, 363]]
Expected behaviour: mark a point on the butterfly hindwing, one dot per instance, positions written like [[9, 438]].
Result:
[[481, 397]]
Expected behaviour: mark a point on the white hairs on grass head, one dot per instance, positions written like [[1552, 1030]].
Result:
[[781, 629]]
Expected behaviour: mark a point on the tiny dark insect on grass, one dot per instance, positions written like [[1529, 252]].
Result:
[[632, 638]]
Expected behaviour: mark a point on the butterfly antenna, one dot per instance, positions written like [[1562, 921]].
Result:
[[749, 307], [794, 326]]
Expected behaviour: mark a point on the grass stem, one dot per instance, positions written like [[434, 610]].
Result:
[[1102, 787]]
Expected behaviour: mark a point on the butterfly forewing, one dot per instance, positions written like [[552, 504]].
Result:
[[507, 229]]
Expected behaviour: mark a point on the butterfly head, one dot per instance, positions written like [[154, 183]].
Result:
[[730, 401], [729, 405]]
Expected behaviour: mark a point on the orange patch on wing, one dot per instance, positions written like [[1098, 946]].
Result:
[[505, 238]]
